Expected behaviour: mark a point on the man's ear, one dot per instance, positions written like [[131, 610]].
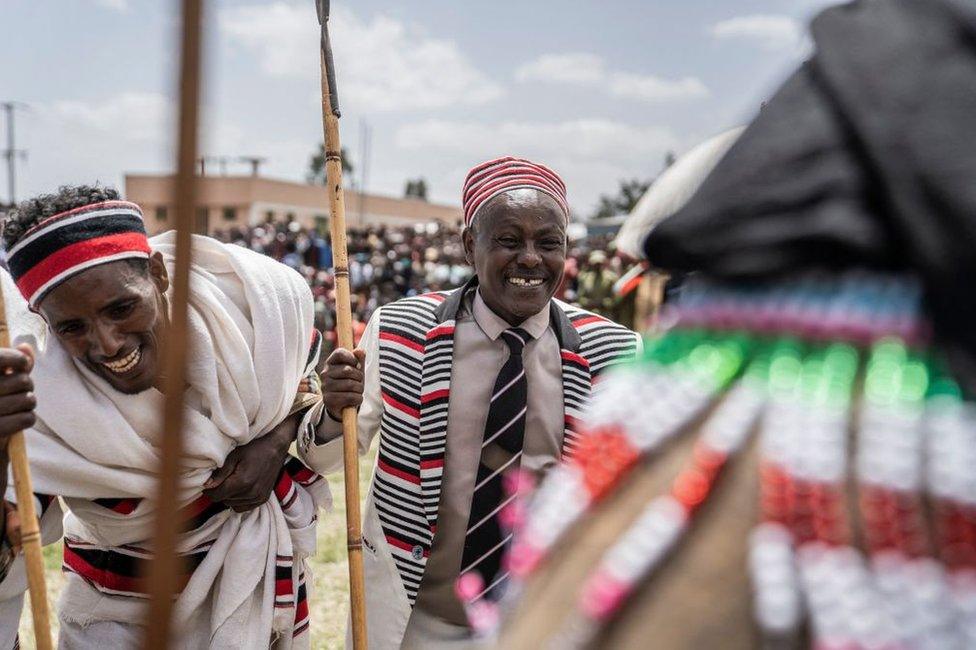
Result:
[[467, 240], [157, 271]]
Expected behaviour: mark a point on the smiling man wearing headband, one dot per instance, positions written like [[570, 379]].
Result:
[[95, 304], [463, 386]]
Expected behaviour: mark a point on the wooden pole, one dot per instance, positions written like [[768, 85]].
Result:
[[337, 225], [30, 533], [165, 571]]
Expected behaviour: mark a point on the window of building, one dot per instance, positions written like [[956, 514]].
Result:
[[289, 216], [203, 220], [269, 216], [161, 214], [229, 213]]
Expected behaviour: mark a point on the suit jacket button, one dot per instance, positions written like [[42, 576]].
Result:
[[417, 552]]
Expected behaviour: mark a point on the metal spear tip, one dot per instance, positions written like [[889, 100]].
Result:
[[322, 8]]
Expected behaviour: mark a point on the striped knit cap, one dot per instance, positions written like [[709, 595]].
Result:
[[67, 243], [491, 178]]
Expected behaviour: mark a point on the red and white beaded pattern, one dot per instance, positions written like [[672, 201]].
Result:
[[632, 412], [950, 445], [646, 543], [802, 466]]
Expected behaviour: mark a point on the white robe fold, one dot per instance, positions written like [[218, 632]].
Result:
[[250, 326]]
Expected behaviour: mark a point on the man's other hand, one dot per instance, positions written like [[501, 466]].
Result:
[[17, 399], [343, 380], [248, 476]]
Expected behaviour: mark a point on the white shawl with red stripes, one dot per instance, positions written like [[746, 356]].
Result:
[[250, 327]]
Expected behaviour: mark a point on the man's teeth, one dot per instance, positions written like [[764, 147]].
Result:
[[525, 282], [125, 364]]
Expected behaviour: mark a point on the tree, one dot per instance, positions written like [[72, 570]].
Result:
[[316, 166], [416, 189], [623, 201]]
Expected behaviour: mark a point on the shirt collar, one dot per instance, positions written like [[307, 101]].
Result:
[[493, 325]]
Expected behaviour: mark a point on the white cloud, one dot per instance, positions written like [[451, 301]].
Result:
[[580, 68], [586, 69], [117, 5], [382, 64], [590, 154], [134, 116], [84, 141], [653, 89], [771, 32]]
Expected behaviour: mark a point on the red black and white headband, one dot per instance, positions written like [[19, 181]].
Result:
[[491, 178], [67, 243]]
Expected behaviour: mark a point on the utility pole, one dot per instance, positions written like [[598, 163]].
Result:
[[11, 152], [255, 162]]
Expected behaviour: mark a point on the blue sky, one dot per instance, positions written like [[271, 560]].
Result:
[[597, 89]]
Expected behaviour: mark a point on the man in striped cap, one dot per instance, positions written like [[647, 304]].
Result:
[[464, 387], [90, 291]]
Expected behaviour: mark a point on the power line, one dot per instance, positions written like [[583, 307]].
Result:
[[11, 153]]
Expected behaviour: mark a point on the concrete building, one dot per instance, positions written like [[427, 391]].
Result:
[[228, 201]]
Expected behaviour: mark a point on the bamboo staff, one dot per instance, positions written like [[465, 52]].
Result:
[[30, 533], [166, 567], [337, 225]]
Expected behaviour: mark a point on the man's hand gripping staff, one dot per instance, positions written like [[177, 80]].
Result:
[[337, 225]]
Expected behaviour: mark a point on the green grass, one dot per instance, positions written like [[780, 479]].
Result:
[[329, 595]]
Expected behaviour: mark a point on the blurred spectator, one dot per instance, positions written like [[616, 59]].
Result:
[[596, 282]]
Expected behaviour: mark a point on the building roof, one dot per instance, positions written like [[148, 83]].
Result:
[[151, 189]]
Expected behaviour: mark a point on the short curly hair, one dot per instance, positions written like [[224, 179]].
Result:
[[68, 197]]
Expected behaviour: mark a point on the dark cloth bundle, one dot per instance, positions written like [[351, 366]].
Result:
[[866, 157]]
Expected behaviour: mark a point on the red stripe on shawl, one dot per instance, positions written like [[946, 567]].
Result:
[[443, 330], [574, 358], [101, 577], [412, 412], [402, 545], [437, 394], [401, 340], [399, 473], [587, 320]]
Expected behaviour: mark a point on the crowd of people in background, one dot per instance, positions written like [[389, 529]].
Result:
[[387, 263]]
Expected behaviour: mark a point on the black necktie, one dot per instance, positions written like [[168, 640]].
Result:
[[486, 541]]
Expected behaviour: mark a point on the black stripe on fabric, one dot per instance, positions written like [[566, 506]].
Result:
[[414, 471], [405, 539], [413, 568], [51, 242], [120, 564], [400, 397], [283, 572], [410, 362], [398, 329], [398, 382], [410, 308], [437, 375], [404, 432], [392, 453], [205, 515], [313, 351], [416, 527], [407, 445], [391, 494]]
